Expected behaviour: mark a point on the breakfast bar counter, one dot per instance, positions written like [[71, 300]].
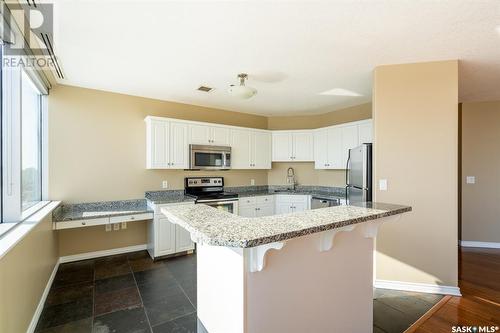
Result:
[[254, 273]]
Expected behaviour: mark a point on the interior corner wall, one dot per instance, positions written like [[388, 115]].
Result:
[[480, 146], [415, 113]]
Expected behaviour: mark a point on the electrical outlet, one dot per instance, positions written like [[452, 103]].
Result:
[[116, 226], [252, 181], [164, 184], [382, 184], [124, 225], [108, 227]]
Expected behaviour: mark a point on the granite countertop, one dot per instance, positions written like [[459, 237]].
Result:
[[319, 191], [92, 210], [168, 196], [208, 225]]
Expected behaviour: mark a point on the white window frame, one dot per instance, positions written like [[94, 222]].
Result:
[[11, 148]]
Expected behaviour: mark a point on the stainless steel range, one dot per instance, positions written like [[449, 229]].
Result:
[[210, 191]]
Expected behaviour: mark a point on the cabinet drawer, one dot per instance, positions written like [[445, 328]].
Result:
[[81, 223], [265, 199], [247, 201], [131, 218]]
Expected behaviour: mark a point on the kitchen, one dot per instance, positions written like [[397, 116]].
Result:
[[257, 167]]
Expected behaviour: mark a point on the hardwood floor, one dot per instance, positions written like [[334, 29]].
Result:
[[479, 281]]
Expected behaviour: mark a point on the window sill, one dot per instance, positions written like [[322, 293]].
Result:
[[15, 232]]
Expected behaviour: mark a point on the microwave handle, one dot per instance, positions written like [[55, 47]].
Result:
[[227, 160]]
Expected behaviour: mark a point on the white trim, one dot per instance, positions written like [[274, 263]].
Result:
[[489, 245], [45, 147], [418, 287], [103, 253], [39, 308]]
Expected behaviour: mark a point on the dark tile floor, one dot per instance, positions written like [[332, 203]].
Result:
[[131, 293]]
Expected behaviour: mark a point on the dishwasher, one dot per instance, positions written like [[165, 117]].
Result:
[[319, 202]]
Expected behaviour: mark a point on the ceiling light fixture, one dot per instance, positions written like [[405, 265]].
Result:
[[242, 91], [340, 92]]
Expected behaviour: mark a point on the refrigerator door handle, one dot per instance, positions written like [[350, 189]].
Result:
[[347, 176]]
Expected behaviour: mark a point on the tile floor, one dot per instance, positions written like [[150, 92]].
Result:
[[131, 293]]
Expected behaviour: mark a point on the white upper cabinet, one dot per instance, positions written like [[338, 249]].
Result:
[[366, 132], [261, 150], [240, 149], [350, 139], [293, 146], [166, 144], [332, 144], [250, 149], [208, 135], [282, 146]]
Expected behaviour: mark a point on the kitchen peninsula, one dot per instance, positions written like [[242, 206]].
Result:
[[254, 273]]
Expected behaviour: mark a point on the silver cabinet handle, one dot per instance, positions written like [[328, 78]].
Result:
[[132, 217], [84, 223]]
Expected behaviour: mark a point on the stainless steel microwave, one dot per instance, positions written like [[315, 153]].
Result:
[[206, 157]]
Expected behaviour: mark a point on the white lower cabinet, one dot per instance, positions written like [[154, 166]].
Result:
[[256, 206], [291, 203], [166, 238]]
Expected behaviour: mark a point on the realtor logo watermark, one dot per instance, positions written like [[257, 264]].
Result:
[[36, 24], [474, 329]]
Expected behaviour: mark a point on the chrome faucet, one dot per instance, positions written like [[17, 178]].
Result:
[[290, 178]]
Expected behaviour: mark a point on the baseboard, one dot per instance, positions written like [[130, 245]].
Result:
[[39, 308], [418, 287], [103, 253], [489, 245]]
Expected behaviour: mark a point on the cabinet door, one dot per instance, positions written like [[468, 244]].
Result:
[[349, 140], [261, 150], [265, 210], [247, 211], [199, 134], [220, 136], [165, 237], [303, 146], [157, 144], [283, 207], [335, 158], [178, 146], [299, 207], [321, 149], [365, 132], [240, 149], [183, 240], [282, 146]]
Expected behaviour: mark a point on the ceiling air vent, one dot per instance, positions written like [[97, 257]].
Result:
[[205, 89]]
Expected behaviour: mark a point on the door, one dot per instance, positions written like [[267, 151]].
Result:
[[261, 150], [182, 239], [299, 207], [166, 237], [265, 210], [282, 146], [247, 211], [283, 207], [321, 149], [199, 134], [219, 136], [335, 159], [356, 195], [158, 150], [349, 140], [356, 171], [365, 132], [302, 143], [179, 149], [226, 206], [240, 149]]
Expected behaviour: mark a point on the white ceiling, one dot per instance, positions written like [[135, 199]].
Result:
[[292, 51]]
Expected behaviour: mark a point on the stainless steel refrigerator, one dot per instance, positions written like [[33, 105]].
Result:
[[359, 174]]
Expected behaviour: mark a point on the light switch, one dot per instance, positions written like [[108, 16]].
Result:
[[252, 181], [470, 179], [164, 184], [382, 184], [108, 227], [116, 226], [124, 225]]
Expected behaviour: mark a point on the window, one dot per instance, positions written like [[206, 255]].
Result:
[[31, 171]]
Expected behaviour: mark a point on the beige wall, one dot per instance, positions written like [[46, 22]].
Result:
[[415, 112], [481, 158], [359, 112], [24, 273], [305, 174]]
